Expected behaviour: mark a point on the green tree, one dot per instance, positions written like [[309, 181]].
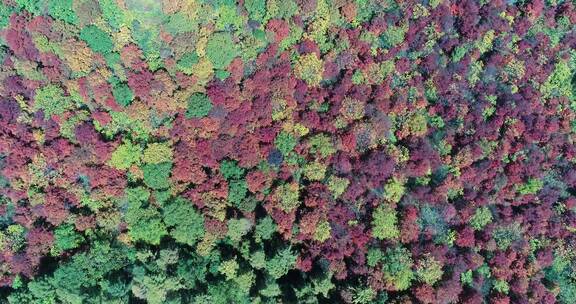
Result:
[[481, 218], [98, 40], [281, 263], [199, 105], [122, 94], [185, 224], [52, 101], [397, 268], [428, 270], [63, 10], [238, 228], [221, 50], [230, 170], [384, 221], [125, 155], [144, 221], [285, 142], [157, 176], [65, 238], [157, 153]]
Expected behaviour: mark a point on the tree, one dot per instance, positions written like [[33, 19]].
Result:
[[397, 268], [52, 101], [310, 69], [384, 223], [428, 270], [481, 218], [98, 40], [156, 176], [125, 156], [221, 50], [66, 238], [199, 105], [184, 223]]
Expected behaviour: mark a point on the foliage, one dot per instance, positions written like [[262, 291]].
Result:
[[52, 101], [351, 151], [221, 50], [481, 218], [156, 176], [156, 153], [310, 69], [397, 268], [428, 270], [184, 223], [125, 156], [98, 40], [384, 223], [199, 105]]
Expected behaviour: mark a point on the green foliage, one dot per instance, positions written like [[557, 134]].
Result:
[[285, 142], [156, 176], [256, 9], [393, 36], [237, 190], [125, 155], [111, 13], [36, 7], [62, 10], [185, 224], [394, 190], [322, 232], [397, 267], [364, 296], [429, 270], [501, 286], [79, 279], [221, 50], [186, 63], [228, 18], [315, 171], [122, 94], [229, 269], [230, 170], [14, 238], [506, 235], [281, 263], [144, 223], [157, 153], [384, 223], [481, 218], [561, 272], [466, 278], [52, 101], [98, 40], [66, 238], [265, 228], [532, 186], [310, 69], [337, 185], [289, 196], [374, 256], [238, 228], [199, 105], [322, 144], [559, 83]]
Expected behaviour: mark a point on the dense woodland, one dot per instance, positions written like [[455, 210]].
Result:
[[287, 151]]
